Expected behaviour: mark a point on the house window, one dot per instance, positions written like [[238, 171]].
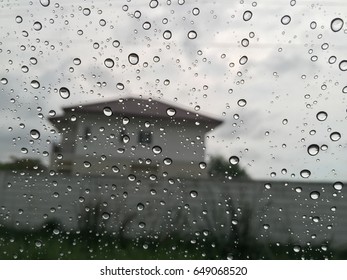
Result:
[[145, 137]]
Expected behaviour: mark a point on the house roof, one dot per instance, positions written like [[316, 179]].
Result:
[[146, 108]]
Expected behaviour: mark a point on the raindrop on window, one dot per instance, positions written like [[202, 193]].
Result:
[[343, 65], [37, 26], [322, 116], [35, 134], [156, 150], [338, 186], [335, 136], [105, 216], [313, 149], [336, 24], [64, 92], [153, 4], [167, 35], [107, 111], [195, 11], [247, 15], [285, 20], [171, 112], [193, 194], [192, 34], [305, 173], [314, 195], [133, 58], [35, 84], [45, 3], [234, 160], [109, 63]]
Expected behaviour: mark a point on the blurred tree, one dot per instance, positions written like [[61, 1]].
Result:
[[221, 168], [22, 164]]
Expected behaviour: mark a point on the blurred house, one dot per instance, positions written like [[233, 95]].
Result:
[[131, 137]]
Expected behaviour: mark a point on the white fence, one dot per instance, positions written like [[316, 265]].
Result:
[[188, 207]]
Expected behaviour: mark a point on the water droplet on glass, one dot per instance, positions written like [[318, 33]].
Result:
[[192, 34], [24, 150], [133, 58], [167, 161], [140, 207], [19, 19], [242, 102], [305, 173], [335, 136], [167, 35], [193, 194], [86, 11], [109, 63], [332, 59], [115, 169], [142, 225], [156, 149], [37, 25], [153, 4], [120, 86], [171, 112], [105, 216], [343, 65], [107, 111], [202, 165], [338, 186], [146, 25], [266, 226], [313, 149], [38, 243], [297, 248], [322, 116], [247, 15], [245, 42], [336, 24], [4, 81], [344, 90], [45, 3], [195, 11], [87, 164], [313, 25], [298, 189], [35, 84], [116, 43], [77, 61], [234, 160], [64, 92], [314, 195], [285, 20], [125, 139], [35, 134], [243, 60]]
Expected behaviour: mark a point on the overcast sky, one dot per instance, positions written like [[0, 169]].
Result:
[[286, 79]]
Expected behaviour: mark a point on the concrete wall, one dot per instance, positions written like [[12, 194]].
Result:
[[145, 207]]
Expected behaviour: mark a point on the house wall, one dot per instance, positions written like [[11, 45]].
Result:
[[182, 142]]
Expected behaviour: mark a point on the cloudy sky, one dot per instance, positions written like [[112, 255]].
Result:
[[266, 68]]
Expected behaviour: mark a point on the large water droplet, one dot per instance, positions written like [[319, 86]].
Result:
[[305, 173], [313, 149], [156, 149], [336, 24], [35, 134], [167, 35], [4, 81], [35, 84], [146, 25], [37, 25], [192, 34], [234, 160], [167, 161], [242, 102], [335, 136], [243, 60], [19, 19], [314, 195], [140, 207], [87, 164], [115, 169], [86, 11], [343, 65], [109, 63], [133, 58], [38, 243], [64, 92], [171, 112], [45, 3], [195, 11], [202, 165], [107, 111], [332, 59], [338, 186], [193, 194], [116, 43], [247, 15], [322, 116], [285, 20], [76, 61], [105, 216], [344, 90], [153, 4], [297, 248], [24, 150], [120, 86]]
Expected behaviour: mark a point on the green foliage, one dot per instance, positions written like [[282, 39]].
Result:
[[22, 164], [220, 168]]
